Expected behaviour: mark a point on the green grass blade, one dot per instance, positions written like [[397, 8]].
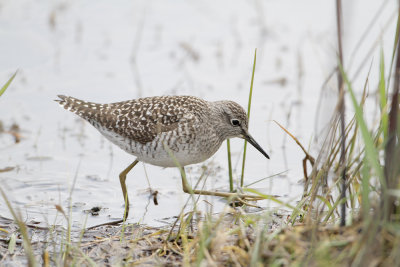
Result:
[[274, 199], [26, 241], [11, 243], [371, 152], [4, 88], [248, 116], [228, 145], [382, 96], [365, 185]]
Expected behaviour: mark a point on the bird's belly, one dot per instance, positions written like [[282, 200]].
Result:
[[167, 151], [163, 151], [163, 159]]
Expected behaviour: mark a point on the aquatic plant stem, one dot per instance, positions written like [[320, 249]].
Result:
[[341, 113], [391, 148]]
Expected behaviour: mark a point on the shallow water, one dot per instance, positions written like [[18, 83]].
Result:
[[105, 52]]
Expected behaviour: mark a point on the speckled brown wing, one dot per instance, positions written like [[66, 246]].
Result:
[[140, 119]]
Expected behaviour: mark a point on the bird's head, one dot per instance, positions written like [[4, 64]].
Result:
[[234, 123]]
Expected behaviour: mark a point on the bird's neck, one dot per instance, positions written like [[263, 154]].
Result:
[[218, 115]]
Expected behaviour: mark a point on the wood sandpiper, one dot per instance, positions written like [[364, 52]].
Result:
[[151, 128]]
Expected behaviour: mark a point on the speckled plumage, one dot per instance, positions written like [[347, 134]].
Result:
[[192, 128]]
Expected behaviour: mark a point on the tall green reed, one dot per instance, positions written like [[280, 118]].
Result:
[[245, 142]]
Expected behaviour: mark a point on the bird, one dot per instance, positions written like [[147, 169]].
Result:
[[166, 131]]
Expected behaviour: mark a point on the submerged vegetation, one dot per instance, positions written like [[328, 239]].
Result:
[[349, 212]]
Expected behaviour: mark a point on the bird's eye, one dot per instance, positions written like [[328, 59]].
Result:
[[235, 122]]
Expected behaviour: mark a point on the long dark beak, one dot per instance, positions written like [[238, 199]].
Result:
[[253, 142]]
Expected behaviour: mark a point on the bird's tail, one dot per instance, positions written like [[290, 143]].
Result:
[[77, 106]]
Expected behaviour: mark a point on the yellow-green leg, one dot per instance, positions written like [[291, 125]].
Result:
[[122, 178], [187, 189]]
